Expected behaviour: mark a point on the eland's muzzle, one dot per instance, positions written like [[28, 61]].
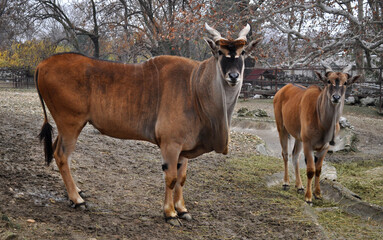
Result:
[[232, 78], [335, 98]]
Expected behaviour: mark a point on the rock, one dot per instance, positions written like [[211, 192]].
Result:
[[349, 201], [343, 141], [257, 96], [31, 220], [368, 101], [19, 195], [261, 149], [328, 172], [344, 123], [350, 100]]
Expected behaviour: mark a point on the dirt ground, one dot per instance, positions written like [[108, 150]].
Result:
[[123, 182]]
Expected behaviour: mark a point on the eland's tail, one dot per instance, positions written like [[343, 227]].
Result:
[[46, 130]]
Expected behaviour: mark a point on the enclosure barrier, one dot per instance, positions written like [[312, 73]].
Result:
[[16, 78], [267, 81]]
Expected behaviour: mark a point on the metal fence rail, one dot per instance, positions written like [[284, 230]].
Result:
[[267, 81], [16, 78]]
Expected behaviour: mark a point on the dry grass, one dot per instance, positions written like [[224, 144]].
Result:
[[365, 178]]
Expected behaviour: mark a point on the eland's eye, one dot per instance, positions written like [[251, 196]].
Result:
[[220, 52], [329, 82], [243, 53], [345, 83]]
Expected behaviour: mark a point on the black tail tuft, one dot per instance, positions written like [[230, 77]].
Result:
[[46, 135]]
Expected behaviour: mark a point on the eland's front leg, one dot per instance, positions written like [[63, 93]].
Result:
[[310, 171], [318, 169], [170, 154], [179, 202]]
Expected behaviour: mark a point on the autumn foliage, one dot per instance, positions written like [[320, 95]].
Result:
[[28, 54], [295, 33]]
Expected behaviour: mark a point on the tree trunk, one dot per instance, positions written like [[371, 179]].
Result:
[[359, 58]]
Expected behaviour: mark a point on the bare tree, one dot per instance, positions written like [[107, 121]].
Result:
[[51, 9], [328, 29], [14, 22]]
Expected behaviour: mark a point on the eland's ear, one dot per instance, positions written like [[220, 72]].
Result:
[[212, 45], [352, 80], [321, 77], [250, 48]]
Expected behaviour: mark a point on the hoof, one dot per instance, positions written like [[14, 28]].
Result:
[[301, 190], [82, 194], [285, 187], [78, 205], [319, 197], [185, 215], [310, 203], [174, 221]]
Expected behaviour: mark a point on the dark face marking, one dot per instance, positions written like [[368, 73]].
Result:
[[231, 60], [231, 64], [164, 167], [336, 85], [179, 165]]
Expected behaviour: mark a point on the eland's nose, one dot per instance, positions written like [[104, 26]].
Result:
[[336, 98], [233, 76]]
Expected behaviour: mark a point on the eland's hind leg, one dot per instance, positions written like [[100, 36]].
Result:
[[179, 202], [295, 159], [284, 140], [65, 145]]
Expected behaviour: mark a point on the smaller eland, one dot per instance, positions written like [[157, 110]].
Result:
[[310, 115]]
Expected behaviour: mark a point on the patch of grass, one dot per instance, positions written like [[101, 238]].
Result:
[[248, 173], [365, 178], [361, 111], [340, 225], [337, 223], [254, 168]]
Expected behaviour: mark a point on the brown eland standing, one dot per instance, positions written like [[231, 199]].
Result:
[[181, 105], [311, 115]]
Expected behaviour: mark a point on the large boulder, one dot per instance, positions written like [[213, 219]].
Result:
[[345, 138], [350, 100], [368, 101], [344, 123]]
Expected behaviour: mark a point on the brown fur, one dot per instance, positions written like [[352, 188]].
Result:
[[176, 103], [312, 119]]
